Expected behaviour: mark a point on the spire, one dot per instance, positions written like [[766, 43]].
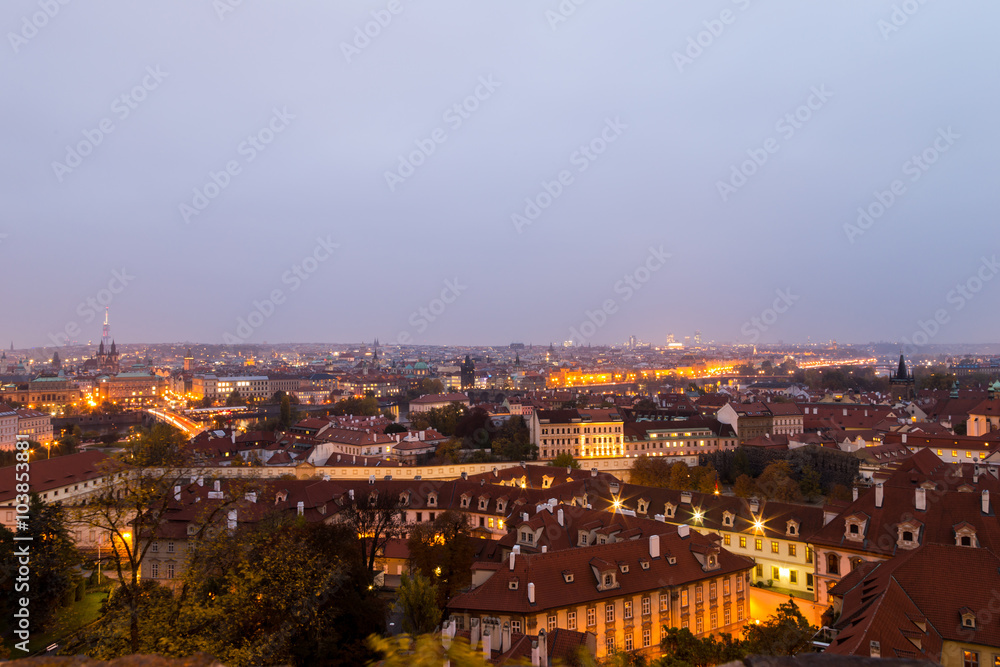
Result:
[[100, 350], [113, 351], [901, 372]]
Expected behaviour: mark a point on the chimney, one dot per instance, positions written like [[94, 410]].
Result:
[[531, 593], [685, 497], [986, 501], [231, 520], [654, 546], [177, 493], [560, 516], [474, 634], [854, 492], [487, 651], [878, 494], [513, 555], [505, 637], [593, 472], [543, 648], [660, 517], [920, 502], [251, 496], [545, 549], [216, 486], [516, 549], [754, 505], [465, 476], [683, 530], [350, 494], [534, 653], [904, 438], [875, 649], [524, 516], [201, 481]]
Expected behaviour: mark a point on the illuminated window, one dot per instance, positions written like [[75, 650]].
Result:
[[758, 544], [791, 549], [609, 612], [774, 547], [725, 539], [970, 659], [743, 542], [628, 609], [571, 620], [592, 616], [725, 587], [646, 636], [552, 622], [645, 606], [684, 598]]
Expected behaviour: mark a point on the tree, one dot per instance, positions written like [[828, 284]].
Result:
[[786, 633], [650, 471], [285, 418], [744, 487], [431, 386], [776, 483], [840, 492], [52, 554], [418, 601], [809, 482], [443, 552], [565, 460], [424, 651], [234, 398], [375, 518], [360, 406], [394, 428], [448, 451], [680, 478]]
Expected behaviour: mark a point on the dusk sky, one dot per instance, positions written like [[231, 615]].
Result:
[[508, 167]]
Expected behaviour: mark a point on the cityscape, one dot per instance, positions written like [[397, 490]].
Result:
[[555, 333]]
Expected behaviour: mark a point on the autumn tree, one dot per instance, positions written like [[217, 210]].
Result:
[[744, 486], [776, 483], [565, 460], [443, 552], [417, 599], [376, 517], [787, 632]]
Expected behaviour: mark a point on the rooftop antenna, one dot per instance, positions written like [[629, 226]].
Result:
[[105, 334]]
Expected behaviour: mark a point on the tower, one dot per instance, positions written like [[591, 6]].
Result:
[[468, 371], [188, 360], [902, 383], [105, 332]]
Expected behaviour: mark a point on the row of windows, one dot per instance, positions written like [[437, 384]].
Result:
[[586, 430], [712, 591], [793, 575]]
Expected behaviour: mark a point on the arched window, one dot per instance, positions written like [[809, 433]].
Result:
[[832, 564]]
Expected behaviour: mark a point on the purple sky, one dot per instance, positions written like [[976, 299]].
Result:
[[492, 172]]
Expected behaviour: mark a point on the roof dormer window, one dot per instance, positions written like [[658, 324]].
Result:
[[512, 584], [968, 618], [465, 502], [609, 580], [432, 500], [792, 527], [567, 576], [483, 502], [669, 510], [727, 519]]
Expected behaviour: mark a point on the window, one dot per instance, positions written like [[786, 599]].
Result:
[[714, 621], [515, 626], [743, 542], [155, 570], [699, 625], [727, 617], [970, 658], [725, 539], [665, 604], [154, 547], [684, 598], [774, 547], [854, 529], [170, 570], [609, 580], [697, 594], [809, 579], [628, 609], [628, 641], [609, 644], [759, 570], [832, 564], [592, 616], [739, 613], [646, 637], [170, 547], [793, 576], [725, 586], [552, 622], [712, 591], [791, 550], [775, 573], [758, 544], [609, 612], [645, 606]]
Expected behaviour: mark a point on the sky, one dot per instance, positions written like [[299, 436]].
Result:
[[225, 171]]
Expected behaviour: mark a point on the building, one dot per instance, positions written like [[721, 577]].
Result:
[[43, 393], [902, 608], [582, 433], [753, 420], [984, 418], [429, 402], [468, 374], [34, 424], [132, 389], [686, 438], [626, 592], [213, 388], [902, 384], [8, 427]]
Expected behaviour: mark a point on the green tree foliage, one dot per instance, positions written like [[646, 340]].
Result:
[[159, 445], [744, 486], [424, 651], [234, 399], [443, 552], [375, 518], [565, 460], [285, 414], [786, 633], [809, 483], [418, 601], [394, 428], [52, 555], [364, 407], [444, 420], [682, 649], [511, 441]]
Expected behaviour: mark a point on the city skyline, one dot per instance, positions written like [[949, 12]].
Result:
[[580, 172]]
